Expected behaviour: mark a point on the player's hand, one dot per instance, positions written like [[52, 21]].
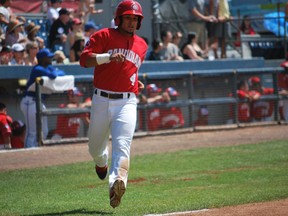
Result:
[[141, 86], [117, 57]]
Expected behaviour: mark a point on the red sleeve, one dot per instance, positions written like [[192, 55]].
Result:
[[94, 45], [241, 94]]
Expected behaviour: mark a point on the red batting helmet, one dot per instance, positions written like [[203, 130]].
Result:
[[128, 7]]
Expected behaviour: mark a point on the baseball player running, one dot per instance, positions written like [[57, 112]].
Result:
[[116, 55]]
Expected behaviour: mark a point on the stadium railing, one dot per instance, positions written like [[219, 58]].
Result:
[[215, 89]]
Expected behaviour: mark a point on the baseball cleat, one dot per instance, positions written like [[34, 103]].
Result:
[[101, 171], [116, 193]]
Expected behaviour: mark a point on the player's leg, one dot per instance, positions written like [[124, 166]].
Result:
[[122, 130], [28, 107], [99, 130]]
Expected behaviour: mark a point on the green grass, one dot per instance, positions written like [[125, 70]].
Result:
[[158, 183]]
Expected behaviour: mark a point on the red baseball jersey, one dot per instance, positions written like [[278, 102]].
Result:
[[17, 142], [243, 108], [154, 119], [5, 129], [261, 109], [283, 81], [68, 125], [116, 76], [171, 118]]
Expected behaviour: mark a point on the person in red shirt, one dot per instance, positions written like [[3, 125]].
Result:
[[245, 97], [171, 117], [283, 90], [261, 110], [245, 28], [153, 114], [116, 55], [18, 134], [68, 125], [5, 130]]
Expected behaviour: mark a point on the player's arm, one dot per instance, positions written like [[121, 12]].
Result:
[[91, 59]]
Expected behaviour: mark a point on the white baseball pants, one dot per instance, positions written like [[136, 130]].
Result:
[[118, 117], [28, 107]]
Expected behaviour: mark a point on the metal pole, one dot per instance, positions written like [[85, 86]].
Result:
[[190, 97], [156, 19], [38, 112]]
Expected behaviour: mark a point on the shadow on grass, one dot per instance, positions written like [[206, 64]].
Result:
[[73, 212]]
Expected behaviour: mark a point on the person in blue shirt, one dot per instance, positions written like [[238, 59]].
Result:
[[28, 103]]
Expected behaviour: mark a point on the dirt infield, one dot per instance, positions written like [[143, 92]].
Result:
[[65, 154]]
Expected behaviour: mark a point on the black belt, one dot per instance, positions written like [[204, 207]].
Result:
[[111, 95]]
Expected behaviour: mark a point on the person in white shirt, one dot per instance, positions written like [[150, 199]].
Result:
[[53, 11]]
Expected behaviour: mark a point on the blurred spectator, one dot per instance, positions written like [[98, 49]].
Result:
[[18, 51], [154, 95], [202, 117], [155, 53], [213, 28], [76, 28], [171, 117], [245, 28], [6, 10], [53, 11], [262, 110], [245, 98], [3, 22], [198, 21], [13, 33], [6, 55], [60, 57], [68, 125], [177, 37], [87, 8], [31, 32], [28, 104], [224, 17], [22, 19], [170, 51], [32, 49], [59, 31], [77, 47], [191, 49], [18, 134], [5, 130], [89, 28]]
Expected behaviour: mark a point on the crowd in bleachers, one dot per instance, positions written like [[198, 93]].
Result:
[[59, 29], [63, 31]]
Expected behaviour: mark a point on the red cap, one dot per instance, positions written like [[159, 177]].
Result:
[[76, 21], [254, 80]]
